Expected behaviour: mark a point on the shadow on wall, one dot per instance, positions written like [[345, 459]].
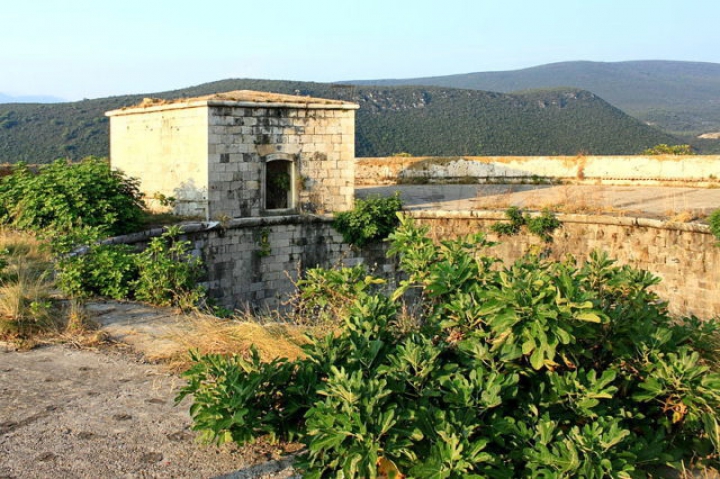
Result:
[[184, 200], [190, 200]]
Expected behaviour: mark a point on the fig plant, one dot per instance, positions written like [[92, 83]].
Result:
[[537, 369]]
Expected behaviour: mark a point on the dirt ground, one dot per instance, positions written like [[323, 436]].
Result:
[[69, 413]]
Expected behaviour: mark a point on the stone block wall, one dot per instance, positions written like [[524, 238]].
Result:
[[320, 143], [684, 256], [696, 170], [255, 262], [216, 155]]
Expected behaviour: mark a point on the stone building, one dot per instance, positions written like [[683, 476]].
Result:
[[239, 154]]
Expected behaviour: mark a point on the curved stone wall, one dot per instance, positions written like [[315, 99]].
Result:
[[684, 256], [255, 261]]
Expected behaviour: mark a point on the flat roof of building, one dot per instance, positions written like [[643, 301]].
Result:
[[237, 98]]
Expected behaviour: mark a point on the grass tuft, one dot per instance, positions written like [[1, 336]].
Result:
[[209, 334]]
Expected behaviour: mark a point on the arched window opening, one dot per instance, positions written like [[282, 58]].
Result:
[[279, 185]]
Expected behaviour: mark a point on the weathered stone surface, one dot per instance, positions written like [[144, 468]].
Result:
[[618, 169], [682, 255], [194, 148]]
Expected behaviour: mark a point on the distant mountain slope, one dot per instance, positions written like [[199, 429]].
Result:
[[29, 99], [679, 97], [420, 121]]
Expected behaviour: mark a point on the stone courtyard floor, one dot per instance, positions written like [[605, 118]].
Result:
[[648, 201]]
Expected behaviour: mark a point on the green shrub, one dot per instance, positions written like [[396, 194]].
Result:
[[324, 295], [714, 221], [164, 274], [63, 195], [104, 270], [516, 221], [539, 369], [541, 226], [663, 149], [168, 274], [372, 219]]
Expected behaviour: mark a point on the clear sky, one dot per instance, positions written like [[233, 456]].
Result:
[[78, 49]]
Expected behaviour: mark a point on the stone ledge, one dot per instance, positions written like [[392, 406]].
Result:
[[235, 223], [565, 218]]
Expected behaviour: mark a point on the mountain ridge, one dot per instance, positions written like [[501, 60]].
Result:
[[680, 97], [5, 98], [419, 121]]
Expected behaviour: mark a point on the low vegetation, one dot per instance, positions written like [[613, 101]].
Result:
[[54, 220], [25, 286], [62, 196], [714, 222], [30, 309], [542, 225], [664, 149], [539, 369], [164, 273], [371, 220]]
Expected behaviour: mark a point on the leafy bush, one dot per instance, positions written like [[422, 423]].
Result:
[[104, 270], [541, 226], [168, 274], [663, 149], [539, 369], [324, 295], [164, 274], [372, 219], [714, 221], [63, 195]]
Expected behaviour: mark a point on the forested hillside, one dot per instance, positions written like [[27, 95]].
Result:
[[420, 121], [680, 97]]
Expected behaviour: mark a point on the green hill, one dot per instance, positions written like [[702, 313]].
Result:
[[420, 121], [679, 97]]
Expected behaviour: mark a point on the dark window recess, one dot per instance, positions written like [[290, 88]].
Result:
[[278, 176]]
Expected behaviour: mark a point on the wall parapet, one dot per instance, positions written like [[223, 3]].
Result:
[[698, 170], [565, 218], [684, 256], [256, 261]]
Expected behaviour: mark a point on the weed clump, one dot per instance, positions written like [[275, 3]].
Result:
[[372, 219], [541, 226], [714, 221]]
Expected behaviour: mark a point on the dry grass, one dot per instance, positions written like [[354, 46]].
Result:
[[209, 334], [573, 201], [26, 286], [31, 312], [564, 199], [686, 216]]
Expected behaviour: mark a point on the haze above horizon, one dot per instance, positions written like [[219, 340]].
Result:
[[77, 49]]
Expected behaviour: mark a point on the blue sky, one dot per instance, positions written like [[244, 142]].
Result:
[[78, 49]]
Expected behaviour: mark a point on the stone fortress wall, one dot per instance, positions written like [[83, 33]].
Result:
[[220, 156], [656, 169], [685, 257], [254, 262], [214, 154]]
